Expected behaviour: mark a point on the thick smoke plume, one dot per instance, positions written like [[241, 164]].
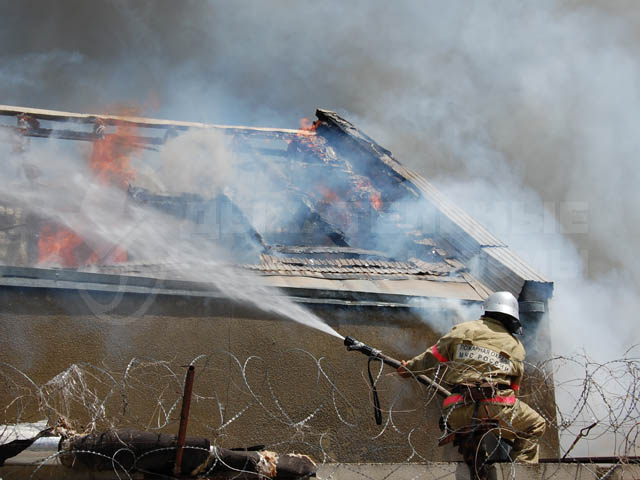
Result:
[[66, 190], [525, 113]]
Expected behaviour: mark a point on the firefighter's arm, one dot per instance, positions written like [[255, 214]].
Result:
[[417, 364], [441, 352], [445, 349]]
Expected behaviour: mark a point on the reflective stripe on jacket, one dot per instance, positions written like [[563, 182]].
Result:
[[499, 399]]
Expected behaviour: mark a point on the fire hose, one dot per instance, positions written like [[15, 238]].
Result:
[[374, 354]]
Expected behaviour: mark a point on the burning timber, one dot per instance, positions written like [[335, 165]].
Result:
[[365, 243]]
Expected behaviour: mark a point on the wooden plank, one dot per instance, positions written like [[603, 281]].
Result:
[[143, 122], [134, 140]]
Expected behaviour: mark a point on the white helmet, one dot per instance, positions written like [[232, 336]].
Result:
[[502, 302]]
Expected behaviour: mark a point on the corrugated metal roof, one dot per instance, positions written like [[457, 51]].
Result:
[[481, 289], [502, 268], [458, 217], [304, 266], [507, 257]]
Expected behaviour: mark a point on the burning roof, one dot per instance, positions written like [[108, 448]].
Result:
[[341, 214]]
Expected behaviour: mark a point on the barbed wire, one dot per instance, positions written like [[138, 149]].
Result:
[[300, 403]]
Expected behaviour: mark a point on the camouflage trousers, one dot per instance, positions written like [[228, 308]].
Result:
[[518, 422]]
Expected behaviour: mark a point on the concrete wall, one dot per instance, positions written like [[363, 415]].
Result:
[[300, 390]]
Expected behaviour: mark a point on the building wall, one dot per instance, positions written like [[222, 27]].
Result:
[[259, 380]]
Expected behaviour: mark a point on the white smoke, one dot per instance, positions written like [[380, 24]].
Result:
[[67, 192], [198, 161], [524, 113]]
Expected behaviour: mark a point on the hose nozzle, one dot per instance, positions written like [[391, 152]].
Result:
[[353, 344]]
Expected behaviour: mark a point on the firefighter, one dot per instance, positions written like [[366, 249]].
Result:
[[484, 368]]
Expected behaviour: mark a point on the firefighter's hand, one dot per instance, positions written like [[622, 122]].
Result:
[[402, 370]]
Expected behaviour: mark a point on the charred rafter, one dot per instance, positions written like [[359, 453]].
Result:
[[140, 122], [132, 140], [305, 213], [180, 206]]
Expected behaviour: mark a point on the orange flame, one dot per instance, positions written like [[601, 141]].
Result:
[[328, 196], [306, 128], [110, 161], [62, 246], [58, 245], [376, 200], [307, 125], [111, 156]]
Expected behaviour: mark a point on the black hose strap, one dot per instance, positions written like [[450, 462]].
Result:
[[377, 413]]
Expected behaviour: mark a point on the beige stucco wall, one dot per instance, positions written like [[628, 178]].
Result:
[[300, 390]]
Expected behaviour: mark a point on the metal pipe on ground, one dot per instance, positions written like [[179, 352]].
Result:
[[42, 449]]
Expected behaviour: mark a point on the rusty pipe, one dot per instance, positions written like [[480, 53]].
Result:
[[184, 418]]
